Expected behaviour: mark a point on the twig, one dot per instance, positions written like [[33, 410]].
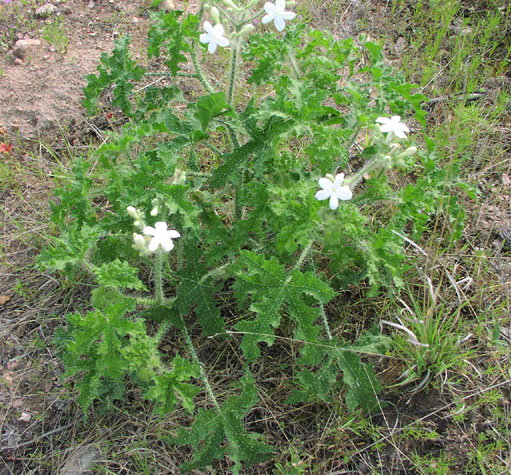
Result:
[[36, 439]]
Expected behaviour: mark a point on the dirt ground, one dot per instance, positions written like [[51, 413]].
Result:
[[40, 88]]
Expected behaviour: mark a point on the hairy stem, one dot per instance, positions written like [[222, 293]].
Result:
[[232, 73], [202, 373], [294, 66], [322, 310], [198, 71], [158, 278]]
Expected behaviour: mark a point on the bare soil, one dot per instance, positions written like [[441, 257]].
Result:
[[40, 88]]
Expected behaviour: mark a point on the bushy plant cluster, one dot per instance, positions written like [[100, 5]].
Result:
[[272, 188]]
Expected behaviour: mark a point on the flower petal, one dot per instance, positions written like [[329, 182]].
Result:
[[325, 183], [205, 38], [334, 201], [339, 178], [269, 8], [383, 120], [153, 245], [323, 195], [280, 5], [212, 46], [218, 30], [149, 230], [344, 193], [172, 233], [267, 18], [280, 24], [208, 27], [223, 42], [287, 15], [167, 245]]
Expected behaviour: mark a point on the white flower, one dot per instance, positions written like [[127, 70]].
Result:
[[276, 13], [214, 36], [333, 189], [393, 126], [140, 244], [161, 236]]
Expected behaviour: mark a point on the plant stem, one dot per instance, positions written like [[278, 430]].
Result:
[[300, 260], [200, 75], [232, 74], [298, 264], [158, 278], [354, 179], [202, 373], [185, 75], [322, 310], [294, 66]]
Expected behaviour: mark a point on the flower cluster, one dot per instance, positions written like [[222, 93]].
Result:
[[276, 12], [336, 188], [151, 239], [393, 126], [215, 35], [161, 236]]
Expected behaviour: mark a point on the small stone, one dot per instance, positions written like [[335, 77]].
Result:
[[167, 5], [45, 11], [25, 417], [91, 4], [23, 46]]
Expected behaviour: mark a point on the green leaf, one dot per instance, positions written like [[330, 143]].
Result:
[[92, 347], [117, 69], [211, 106], [119, 275], [70, 249], [272, 289], [169, 386], [363, 385], [196, 291], [234, 162], [168, 31], [211, 427], [163, 313]]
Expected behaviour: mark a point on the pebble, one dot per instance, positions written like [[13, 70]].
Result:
[[23, 46]]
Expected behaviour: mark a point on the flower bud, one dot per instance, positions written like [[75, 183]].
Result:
[[132, 211], [140, 244], [409, 152], [386, 161], [215, 14], [253, 3], [179, 177], [229, 4], [246, 30], [156, 207], [290, 4]]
